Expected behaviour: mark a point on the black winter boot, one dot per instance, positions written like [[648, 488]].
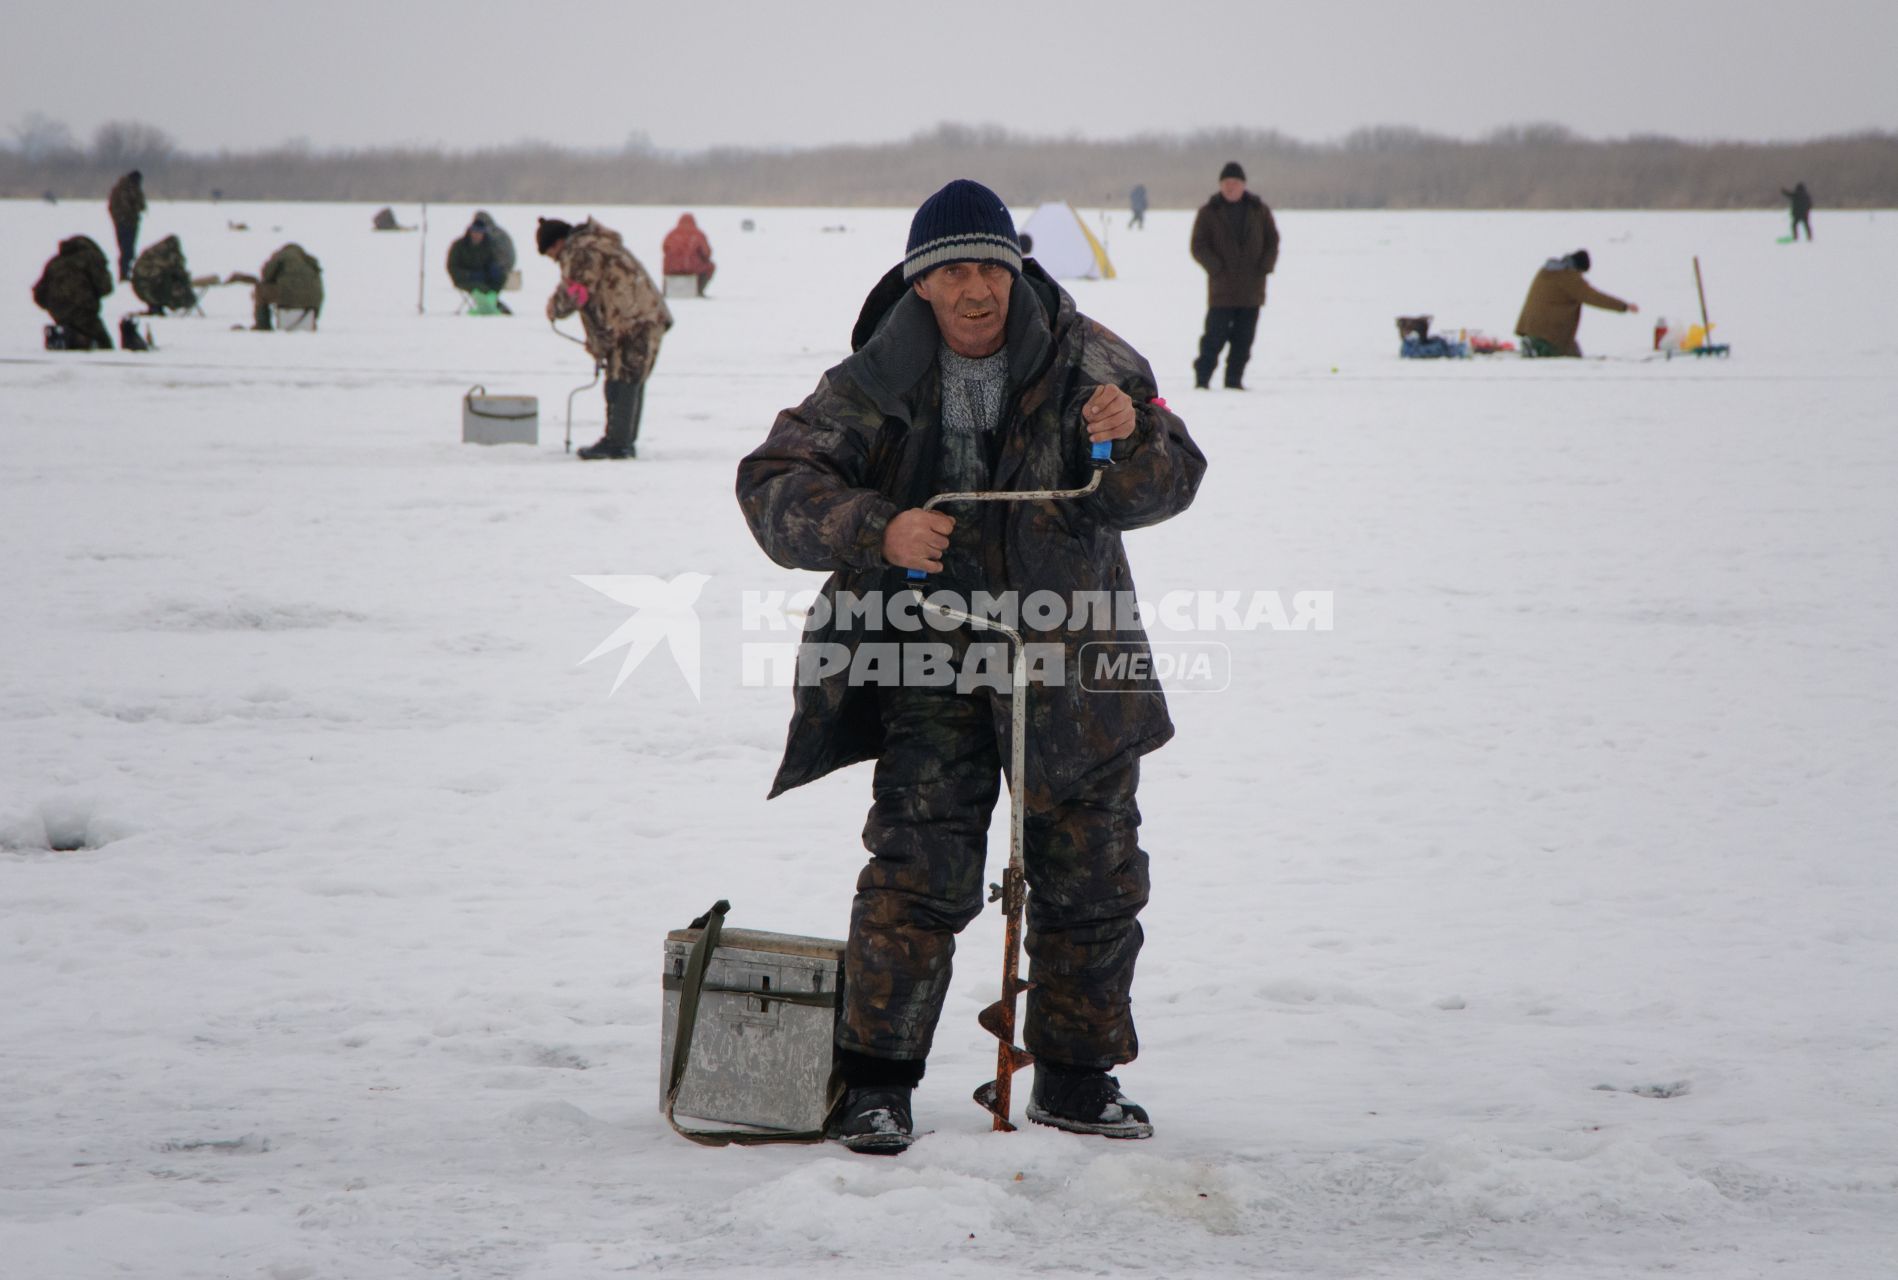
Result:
[[602, 449], [1084, 1101], [622, 408], [875, 1121], [634, 409]]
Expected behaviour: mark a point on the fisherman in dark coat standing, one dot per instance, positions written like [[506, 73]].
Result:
[[1801, 208], [972, 370], [126, 204], [1236, 240]]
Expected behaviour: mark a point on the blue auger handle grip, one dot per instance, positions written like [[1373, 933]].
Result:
[[917, 575]]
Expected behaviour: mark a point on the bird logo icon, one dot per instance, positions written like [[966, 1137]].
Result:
[[663, 612]]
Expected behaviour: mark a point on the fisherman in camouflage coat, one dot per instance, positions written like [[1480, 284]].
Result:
[[624, 314], [161, 280], [71, 289], [973, 370]]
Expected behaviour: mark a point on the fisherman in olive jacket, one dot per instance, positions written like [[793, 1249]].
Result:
[[292, 279], [1552, 311], [972, 370]]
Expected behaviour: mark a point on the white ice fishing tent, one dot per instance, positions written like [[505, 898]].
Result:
[[1064, 246]]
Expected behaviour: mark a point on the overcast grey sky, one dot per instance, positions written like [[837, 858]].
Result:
[[696, 73]]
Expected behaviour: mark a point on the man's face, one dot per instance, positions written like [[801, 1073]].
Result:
[[1232, 188], [970, 300], [477, 235]]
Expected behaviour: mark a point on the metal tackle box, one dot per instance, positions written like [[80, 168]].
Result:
[[761, 1053]]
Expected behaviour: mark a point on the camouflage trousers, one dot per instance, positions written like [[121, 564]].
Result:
[[937, 783]]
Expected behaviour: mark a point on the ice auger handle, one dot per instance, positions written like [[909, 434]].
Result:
[[1099, 456]]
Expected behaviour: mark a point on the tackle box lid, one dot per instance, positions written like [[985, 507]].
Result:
[[785, 944]]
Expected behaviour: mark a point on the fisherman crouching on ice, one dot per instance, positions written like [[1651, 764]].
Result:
[[972, 370]]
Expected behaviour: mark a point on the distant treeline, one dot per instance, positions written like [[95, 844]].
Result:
[[1531, 167]]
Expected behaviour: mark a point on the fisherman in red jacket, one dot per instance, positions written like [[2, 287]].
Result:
[[688, 252]]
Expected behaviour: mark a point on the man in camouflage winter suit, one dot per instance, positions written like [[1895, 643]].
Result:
[[161, 280], [972, 370], [624, 315], [71, 289]]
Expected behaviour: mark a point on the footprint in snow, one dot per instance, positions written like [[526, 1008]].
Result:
[[1676, 1089]]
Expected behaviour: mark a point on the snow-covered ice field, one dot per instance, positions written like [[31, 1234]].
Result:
[[1588, 796]]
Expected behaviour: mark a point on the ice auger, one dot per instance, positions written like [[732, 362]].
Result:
[[599, 366], [998, 1019]]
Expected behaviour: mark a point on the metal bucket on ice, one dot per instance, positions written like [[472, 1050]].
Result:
[[487, 419]]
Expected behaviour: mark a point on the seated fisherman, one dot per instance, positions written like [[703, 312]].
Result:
[[160, 279], [71, 289], [476, 265], [292, 280], [688, 252]]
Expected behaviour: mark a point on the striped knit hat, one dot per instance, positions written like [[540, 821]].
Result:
[[964, 222]]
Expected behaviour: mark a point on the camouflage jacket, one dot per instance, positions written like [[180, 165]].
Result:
[[75, 280], [866, 444], [127, 201], [160, 278], [292, 278], [624, 314]]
